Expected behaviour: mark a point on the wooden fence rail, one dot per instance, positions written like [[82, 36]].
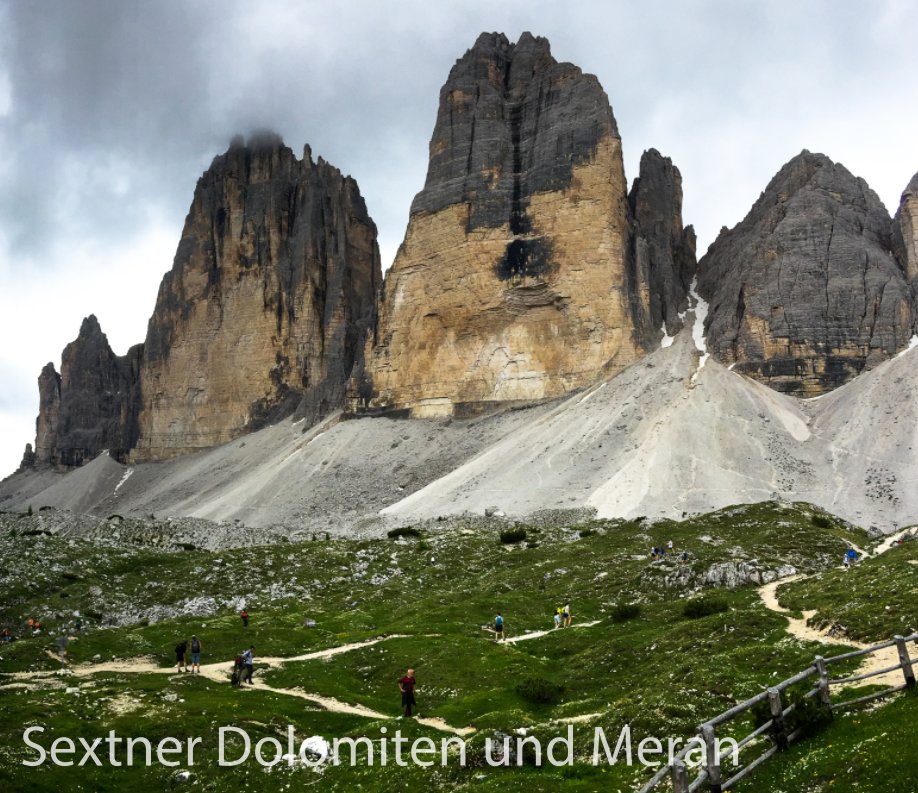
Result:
[[710, 775]]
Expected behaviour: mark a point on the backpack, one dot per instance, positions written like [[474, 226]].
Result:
[[195, 646]]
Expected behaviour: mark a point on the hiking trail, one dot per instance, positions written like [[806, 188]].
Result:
[[799, 627]]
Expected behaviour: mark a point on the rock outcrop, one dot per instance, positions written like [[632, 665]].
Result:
[[905, 233], [90, 406], [514, 281], [805, 292], [267, 304], [663, 252]]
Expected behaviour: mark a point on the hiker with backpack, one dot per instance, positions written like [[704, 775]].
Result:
[[248, 665], [180, 649], [195, 655], [406, 685], [245, 618]]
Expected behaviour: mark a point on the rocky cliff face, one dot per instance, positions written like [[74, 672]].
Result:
[[663, 252], [90, 406], [905, 233], [515, 279], [267, 304], [806, 291]]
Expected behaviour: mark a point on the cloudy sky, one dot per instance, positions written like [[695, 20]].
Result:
[[111, 109]]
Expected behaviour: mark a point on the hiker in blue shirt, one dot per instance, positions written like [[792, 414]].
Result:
[[498, 627]]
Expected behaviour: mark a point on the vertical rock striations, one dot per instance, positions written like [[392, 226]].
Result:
[[806, 292], [905, 233], [663, 252], [513, 281], [91, 405], [267, 304]]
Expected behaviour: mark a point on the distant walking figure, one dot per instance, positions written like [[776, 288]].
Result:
[[245, 618], [180, 649], [195, 655], [498, 627], [846, 561], [567, 615], [558, 617], [406, 686], [248, 665]]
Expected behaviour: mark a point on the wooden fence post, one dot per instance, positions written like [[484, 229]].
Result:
[[906, 662], [680, 777], [712, 758], [824, 697], [777, 718]]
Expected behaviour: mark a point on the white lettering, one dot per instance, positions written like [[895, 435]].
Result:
[[278, 752], [221, 759], [568, 742], [42, 755], [168, 746]]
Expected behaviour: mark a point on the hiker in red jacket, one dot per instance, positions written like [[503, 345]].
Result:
[[406, 686]]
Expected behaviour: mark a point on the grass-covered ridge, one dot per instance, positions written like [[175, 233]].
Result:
[[658, 670]]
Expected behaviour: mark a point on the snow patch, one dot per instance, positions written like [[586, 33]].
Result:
[[667, 340], [127, 475], [912, 343], [700, 307]]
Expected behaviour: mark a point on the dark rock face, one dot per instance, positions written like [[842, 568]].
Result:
[[517, 278], [267, 304], [663, 252], [806, 292], [90, 406], [512, 121], [905, 233]]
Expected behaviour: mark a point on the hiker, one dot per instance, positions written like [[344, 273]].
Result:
[[62, 642], [406, 686], [180, 649], [498, 627], [567, 615], [851, 555], [245, 618], [195, 655], [669, 546], [558, 617], [248, 665], [79, 624], [7, 635], [846, 562], [653, 553], [685, 557]]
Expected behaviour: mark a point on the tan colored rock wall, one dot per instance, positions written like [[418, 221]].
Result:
[[267, 305], [452, 332]]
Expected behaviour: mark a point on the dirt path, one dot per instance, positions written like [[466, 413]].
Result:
[[219, 673], [539, 634], [800, 628]]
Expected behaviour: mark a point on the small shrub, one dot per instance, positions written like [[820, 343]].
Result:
[[586, 533], [821, 521], [626, 611], [540, 691], [511, 536], [704, 607], [71, 576], [119, 518], [403, 531], [29, 512]]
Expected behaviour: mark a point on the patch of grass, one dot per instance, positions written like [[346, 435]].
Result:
[[704, 607], [623, 612], [540, 691]]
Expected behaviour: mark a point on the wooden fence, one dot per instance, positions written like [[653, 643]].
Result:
[[710, 775]]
